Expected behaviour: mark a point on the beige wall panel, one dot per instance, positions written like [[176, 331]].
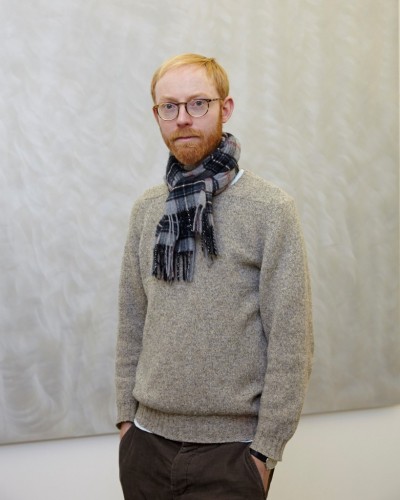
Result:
[[316, 90]]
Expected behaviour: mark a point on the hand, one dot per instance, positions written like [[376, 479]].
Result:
[[264, 472], [125, 426]]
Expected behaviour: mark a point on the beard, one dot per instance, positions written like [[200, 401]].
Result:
[[192, 152]]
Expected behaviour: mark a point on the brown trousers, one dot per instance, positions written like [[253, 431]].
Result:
[[155, 468]]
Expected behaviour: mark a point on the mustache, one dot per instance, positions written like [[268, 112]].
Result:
[[185, 133]]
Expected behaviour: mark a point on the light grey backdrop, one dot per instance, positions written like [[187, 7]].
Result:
[[315, 85]]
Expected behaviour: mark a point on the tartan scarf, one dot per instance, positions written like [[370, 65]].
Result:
[[189, 210]]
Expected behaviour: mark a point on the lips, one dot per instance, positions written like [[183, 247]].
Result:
[[186, 138]]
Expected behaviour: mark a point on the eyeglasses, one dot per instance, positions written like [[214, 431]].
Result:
[[195, 108]]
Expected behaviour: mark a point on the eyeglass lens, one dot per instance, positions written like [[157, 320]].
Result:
[[195, 108]]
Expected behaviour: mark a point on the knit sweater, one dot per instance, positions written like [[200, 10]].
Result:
[[226, 357]]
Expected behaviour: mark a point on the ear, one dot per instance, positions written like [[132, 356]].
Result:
[[155, 114], [227, 108]]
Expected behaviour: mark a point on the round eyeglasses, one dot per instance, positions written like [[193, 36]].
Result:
[[195, 108]]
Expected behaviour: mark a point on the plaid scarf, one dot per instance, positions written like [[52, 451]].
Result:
[[189, 210]]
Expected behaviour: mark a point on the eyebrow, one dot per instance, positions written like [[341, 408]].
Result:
[[198, 95]]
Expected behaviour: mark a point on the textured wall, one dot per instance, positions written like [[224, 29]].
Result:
[[315, 84]]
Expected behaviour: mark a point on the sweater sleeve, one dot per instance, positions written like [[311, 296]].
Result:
[[132, 313], [285, 306]]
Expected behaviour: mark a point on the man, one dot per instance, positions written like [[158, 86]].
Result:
[[215, 337]]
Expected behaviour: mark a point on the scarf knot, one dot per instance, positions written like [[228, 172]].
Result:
[[189, 211]]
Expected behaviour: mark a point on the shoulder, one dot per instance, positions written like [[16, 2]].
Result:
[[150, 197], [257, 190], [151, 201], [151, 194], [258, 201]]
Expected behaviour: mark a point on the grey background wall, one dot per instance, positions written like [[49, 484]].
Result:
[[315, 85]]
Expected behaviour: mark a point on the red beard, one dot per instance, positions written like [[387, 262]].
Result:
[[190, 153]]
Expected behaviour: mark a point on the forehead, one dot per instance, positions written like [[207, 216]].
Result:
[[184, 83]]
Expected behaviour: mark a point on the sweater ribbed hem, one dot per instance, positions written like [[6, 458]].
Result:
[[197, 428]]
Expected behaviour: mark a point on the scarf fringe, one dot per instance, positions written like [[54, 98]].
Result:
[[171, 263], [170, 266]]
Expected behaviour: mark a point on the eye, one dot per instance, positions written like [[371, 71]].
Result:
[[197, 103], [197, 107], [168, 106]]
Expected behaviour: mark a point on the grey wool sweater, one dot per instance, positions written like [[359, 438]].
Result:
[[226, 357]]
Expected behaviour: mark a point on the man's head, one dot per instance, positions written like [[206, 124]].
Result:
[[190, 93]]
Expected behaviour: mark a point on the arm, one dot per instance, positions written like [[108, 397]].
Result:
[[265, 473], [285, 305], [132, 313], [124, 428]]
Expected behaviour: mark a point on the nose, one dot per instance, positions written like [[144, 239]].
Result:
[[183, 119]]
